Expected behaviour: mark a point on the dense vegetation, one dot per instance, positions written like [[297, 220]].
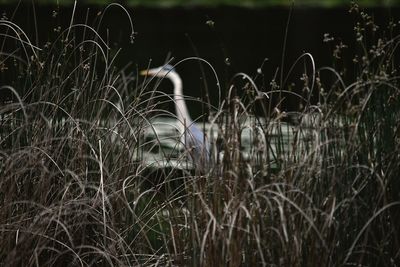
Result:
[[76, 189]]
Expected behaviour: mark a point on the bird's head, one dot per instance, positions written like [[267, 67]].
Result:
[[162, 71]]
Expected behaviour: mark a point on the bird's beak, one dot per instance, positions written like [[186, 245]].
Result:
[[144, 72]]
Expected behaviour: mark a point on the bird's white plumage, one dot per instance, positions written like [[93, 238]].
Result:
[[192, 137]]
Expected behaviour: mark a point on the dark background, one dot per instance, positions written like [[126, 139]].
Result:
[[232, 39]]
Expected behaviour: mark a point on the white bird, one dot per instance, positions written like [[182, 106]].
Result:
[[192, 137]]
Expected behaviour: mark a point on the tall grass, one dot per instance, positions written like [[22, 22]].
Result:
[[76, 189]]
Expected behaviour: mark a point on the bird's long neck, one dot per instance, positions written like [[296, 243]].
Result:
[[180, 105]]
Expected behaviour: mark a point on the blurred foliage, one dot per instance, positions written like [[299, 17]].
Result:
[[247, 3]]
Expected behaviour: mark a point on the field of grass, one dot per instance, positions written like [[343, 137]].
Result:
[[75, 188]]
